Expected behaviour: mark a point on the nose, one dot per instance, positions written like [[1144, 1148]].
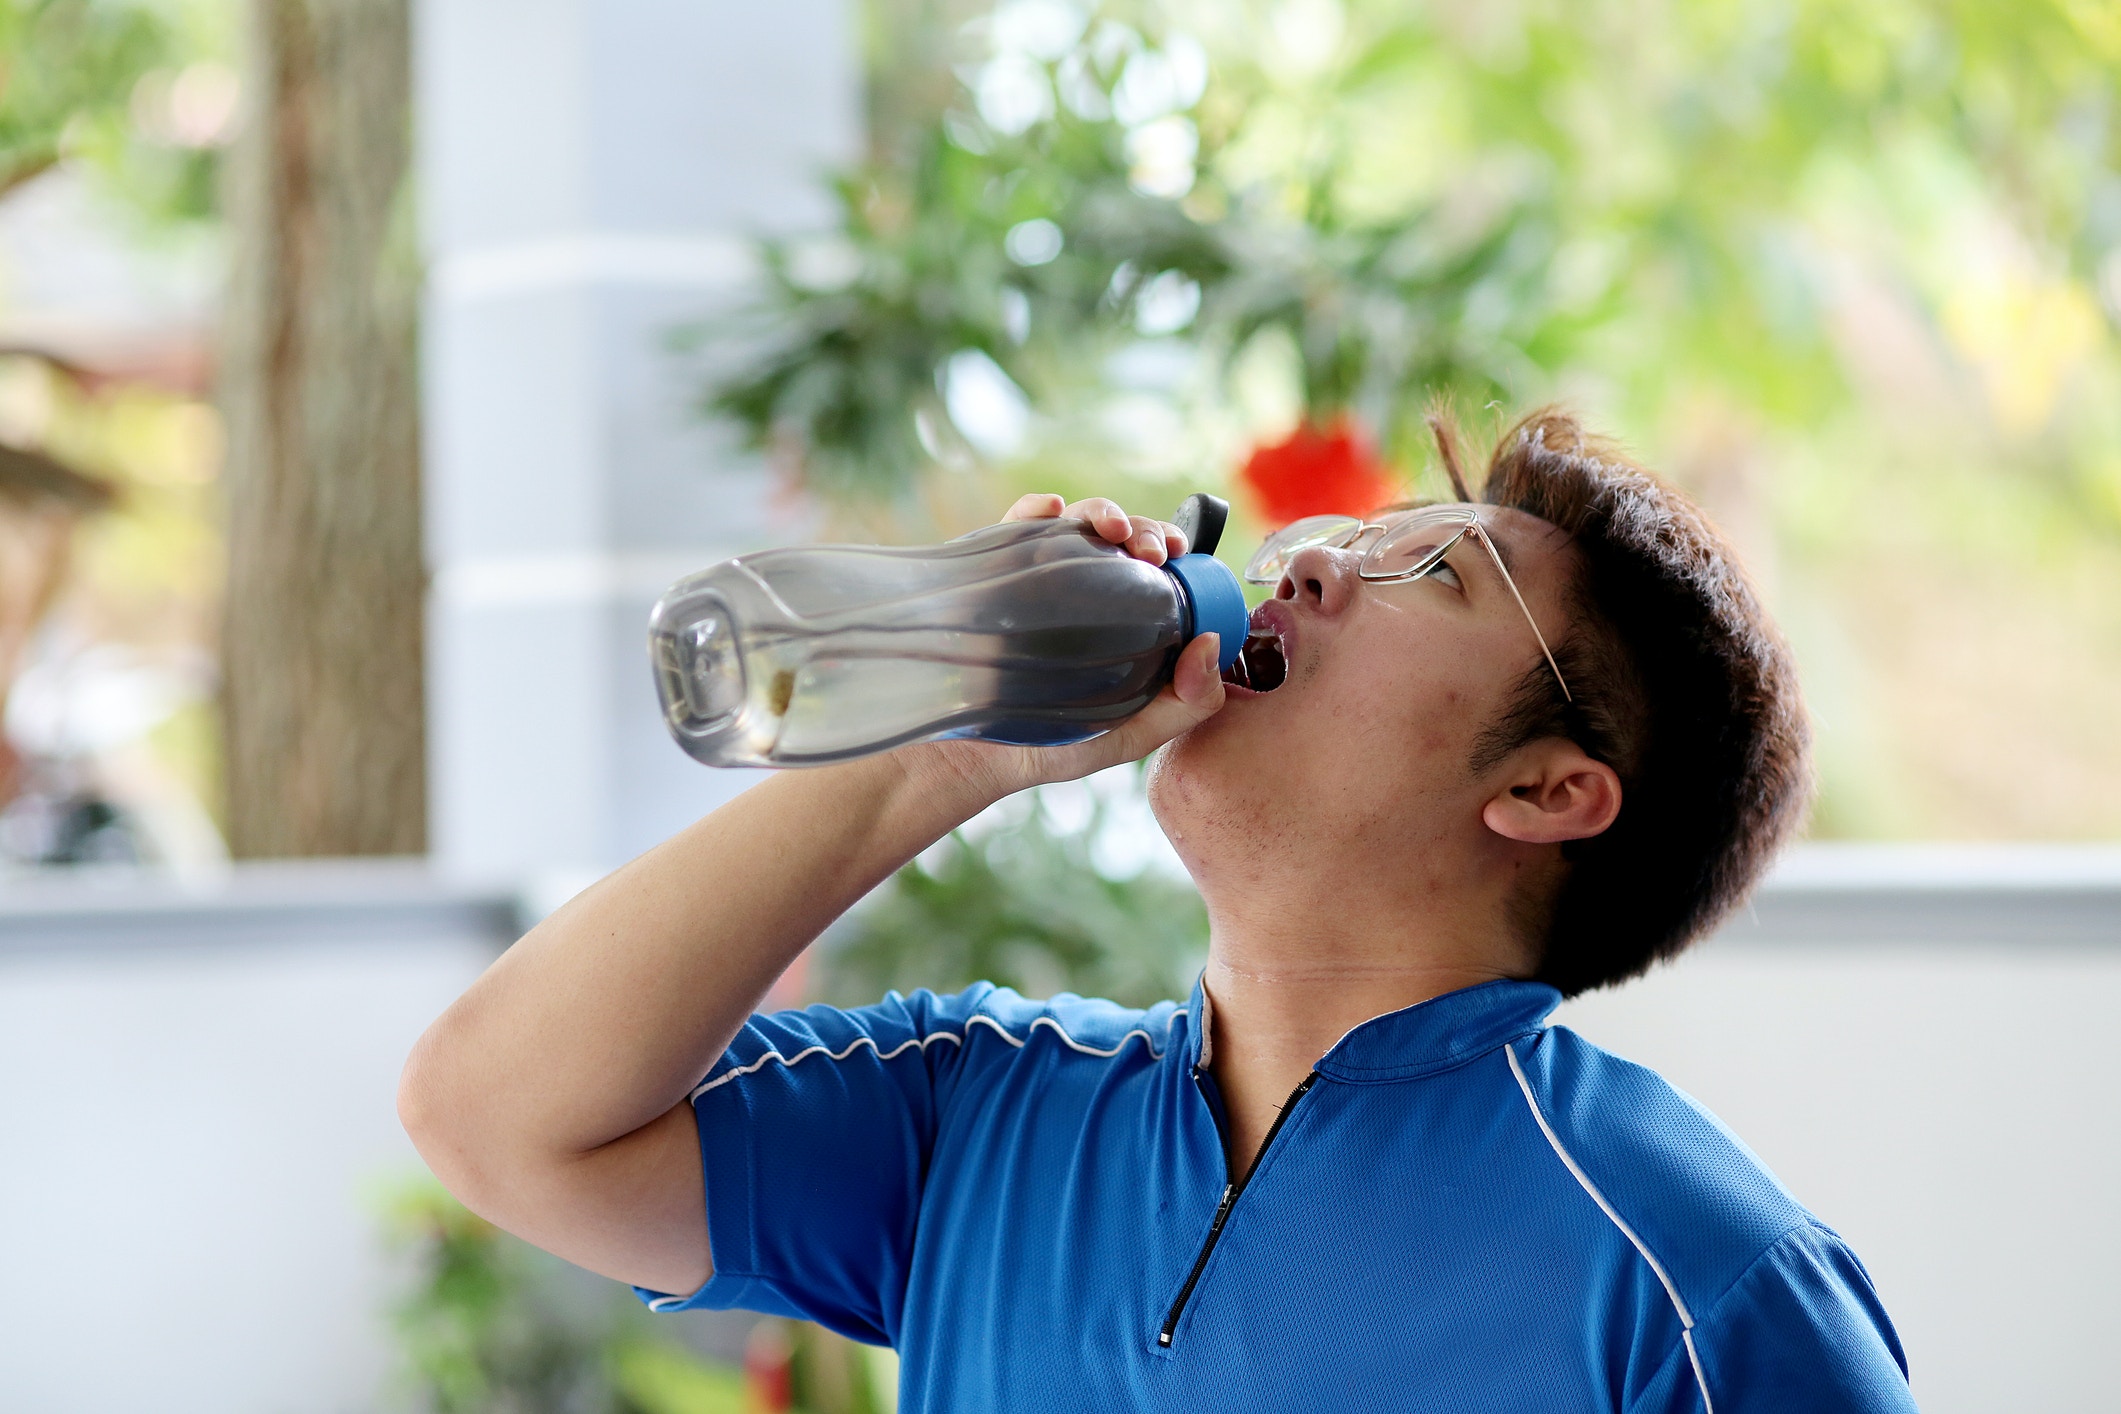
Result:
[[1320, 578]]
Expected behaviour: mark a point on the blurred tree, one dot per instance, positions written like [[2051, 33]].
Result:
[[322, 648]]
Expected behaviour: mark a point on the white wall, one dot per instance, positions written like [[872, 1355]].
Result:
[[193, 1140]]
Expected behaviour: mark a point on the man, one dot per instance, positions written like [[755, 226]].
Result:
[[1491, 754]]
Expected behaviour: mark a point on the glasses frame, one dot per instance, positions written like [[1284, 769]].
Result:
[[1351, 530]]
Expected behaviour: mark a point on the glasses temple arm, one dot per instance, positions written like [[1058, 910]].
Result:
[[1504, 571]]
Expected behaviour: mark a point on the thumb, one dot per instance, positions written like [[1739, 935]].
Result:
[[1195, 694]]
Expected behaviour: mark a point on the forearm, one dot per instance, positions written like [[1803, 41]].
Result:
[[602, 1018]]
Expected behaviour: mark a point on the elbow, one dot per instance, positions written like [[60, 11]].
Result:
[[432, 1109], [416, 1107]]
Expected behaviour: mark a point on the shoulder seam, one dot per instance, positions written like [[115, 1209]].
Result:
[[923, 1042], [1686, 1318], [1810, 1225]]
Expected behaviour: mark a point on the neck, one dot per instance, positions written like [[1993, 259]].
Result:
[[1282, 993]]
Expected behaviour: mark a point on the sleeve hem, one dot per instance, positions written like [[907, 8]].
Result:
[[725, 1181], [724, 1291]]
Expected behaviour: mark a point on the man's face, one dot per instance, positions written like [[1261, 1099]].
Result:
[[1388, 687]]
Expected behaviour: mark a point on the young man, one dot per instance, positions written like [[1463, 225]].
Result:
[[1492, 754]]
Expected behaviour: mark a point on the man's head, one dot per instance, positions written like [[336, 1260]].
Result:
[[1420, 760]]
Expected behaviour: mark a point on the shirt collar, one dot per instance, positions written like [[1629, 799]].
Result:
[[1414, 1041]]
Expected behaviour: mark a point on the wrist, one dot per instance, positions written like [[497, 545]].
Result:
[[953, 779]]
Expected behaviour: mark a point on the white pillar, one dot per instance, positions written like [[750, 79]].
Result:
[[590, 173]]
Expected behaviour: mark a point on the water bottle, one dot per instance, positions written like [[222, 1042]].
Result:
[[1036, 633]]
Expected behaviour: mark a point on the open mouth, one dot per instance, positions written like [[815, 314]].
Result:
[[1260, 666]]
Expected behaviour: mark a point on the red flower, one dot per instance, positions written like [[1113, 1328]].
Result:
[[1317, 472], [769, 1369]]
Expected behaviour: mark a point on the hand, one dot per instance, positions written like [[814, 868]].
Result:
[[1153, 540], [1194, 693]]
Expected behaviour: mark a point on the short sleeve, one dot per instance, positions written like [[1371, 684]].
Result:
[[1802, 1329], [816, 1128]]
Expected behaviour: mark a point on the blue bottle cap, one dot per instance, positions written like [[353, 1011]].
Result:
[[1217, 601]]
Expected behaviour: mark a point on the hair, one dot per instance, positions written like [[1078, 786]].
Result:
[[1680, 683]]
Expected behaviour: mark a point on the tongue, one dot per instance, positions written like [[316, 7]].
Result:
[[1260, 665]]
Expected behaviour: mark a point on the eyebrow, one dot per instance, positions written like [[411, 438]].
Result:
[[1502, 548]]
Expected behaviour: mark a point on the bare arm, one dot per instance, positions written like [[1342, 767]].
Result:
[[550, 1097]]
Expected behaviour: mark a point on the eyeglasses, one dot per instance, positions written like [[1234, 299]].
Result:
[[1405, 549]]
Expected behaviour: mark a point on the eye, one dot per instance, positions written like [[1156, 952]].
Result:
[[1403, 554], [1444, 573]]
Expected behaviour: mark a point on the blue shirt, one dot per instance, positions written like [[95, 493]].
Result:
[[1463, 1209]]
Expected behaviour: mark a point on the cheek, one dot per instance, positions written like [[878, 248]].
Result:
[[1405, 708]]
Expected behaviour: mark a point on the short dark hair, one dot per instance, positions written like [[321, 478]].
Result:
[[1681, 684]]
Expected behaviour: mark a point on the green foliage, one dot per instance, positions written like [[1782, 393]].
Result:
[[67, 67], [1019, 901], [658, 1378], [838, 364], [493, 1326], [137, 91], [1424, 203]]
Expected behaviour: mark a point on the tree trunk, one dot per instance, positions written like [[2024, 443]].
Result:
[[322, 697]]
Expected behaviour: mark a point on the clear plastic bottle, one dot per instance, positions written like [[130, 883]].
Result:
[[1030, 632]]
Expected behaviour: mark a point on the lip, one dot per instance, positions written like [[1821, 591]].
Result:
[[1274, 616]]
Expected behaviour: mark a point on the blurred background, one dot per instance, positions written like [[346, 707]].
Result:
[[367, 368]]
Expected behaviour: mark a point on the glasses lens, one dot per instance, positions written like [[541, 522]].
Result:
[[1411, 546], [1271, 559]]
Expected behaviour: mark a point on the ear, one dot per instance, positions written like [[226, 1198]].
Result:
[[1551, 792]]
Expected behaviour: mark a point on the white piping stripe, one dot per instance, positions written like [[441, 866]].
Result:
[[1686, 1318], [1700, 1380], [924, 1042]]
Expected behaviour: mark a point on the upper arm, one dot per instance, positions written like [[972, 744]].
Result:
[[789, 1180], [629, 1209]]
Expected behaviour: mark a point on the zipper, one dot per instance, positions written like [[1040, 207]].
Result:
[[1231, 1193]]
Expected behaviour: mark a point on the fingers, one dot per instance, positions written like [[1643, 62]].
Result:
[[1038, 505], [1105, 517], [1148, 539], [1153, 540]]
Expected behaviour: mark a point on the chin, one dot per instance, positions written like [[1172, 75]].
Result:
[[1221, 779]]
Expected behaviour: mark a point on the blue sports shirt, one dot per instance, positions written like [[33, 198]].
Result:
[[1461, 1209]]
